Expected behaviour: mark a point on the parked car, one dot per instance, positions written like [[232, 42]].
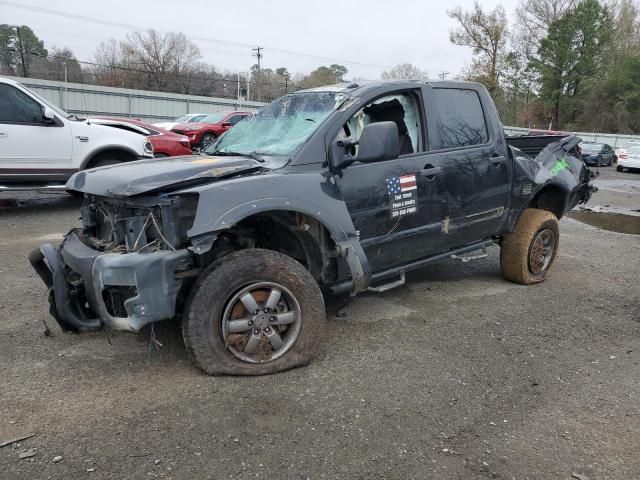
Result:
[[206, 131], [335, 189], [189, 117], [629, 158], [597, 154], [165, 143], [41, 146]]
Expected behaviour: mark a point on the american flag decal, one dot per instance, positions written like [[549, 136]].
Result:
[[407, 182], [403, 183]]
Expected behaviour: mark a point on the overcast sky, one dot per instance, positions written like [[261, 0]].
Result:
[[377, 32]]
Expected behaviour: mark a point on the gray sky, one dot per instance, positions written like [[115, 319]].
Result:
[[376, 32]]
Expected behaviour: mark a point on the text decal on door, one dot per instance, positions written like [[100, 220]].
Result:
[[403, 195]]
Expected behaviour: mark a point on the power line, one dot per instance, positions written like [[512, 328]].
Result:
[[126, 26], [151, 72]]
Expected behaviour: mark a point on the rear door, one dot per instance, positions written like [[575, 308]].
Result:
[[464, 141], [28, 145]]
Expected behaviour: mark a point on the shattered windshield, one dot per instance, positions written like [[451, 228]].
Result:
[[280, 127]]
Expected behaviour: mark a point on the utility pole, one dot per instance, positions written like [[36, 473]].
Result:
[[443, 75], [238, 89], [286, 84], [257, 52], [21, 46]]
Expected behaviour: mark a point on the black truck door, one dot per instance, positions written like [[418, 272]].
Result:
[[465, 140], [392, 203]]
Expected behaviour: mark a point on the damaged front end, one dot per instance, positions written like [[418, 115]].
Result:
[[124, 268]]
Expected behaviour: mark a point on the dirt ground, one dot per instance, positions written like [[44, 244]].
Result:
[[457, 375]]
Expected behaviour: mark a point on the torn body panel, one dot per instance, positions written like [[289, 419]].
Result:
[[557, 176]]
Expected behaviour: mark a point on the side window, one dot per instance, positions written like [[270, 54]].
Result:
[[18, 107], [401, 109], [235, 119], [462, 122]]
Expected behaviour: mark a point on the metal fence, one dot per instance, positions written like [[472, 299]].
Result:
[[612, 139], [146, 105]]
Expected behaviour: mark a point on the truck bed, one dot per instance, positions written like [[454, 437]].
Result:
[[532, 145]]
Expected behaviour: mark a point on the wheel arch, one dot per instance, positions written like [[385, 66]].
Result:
[[293, 232], [119, 149], [552, 198]]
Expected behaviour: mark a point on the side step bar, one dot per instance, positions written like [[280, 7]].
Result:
[[402, 269], [388, 286]]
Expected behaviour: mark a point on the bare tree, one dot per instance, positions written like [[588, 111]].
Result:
[[405, 71], [532, 20], [486, 34], [168, 58]]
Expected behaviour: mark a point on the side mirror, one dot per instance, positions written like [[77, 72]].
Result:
[[379, 141], [225, 124], [48, 115]]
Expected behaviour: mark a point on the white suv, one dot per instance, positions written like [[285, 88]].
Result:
[[41, 146]]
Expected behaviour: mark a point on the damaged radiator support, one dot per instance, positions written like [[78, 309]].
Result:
[[141, 226]]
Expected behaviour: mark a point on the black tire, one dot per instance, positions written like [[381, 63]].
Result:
[[619, 168], [105, 162], [160, 155], [212, 299], [206, 140], [527, 253]]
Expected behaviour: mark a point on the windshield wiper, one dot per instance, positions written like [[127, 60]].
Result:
[[254, 155]]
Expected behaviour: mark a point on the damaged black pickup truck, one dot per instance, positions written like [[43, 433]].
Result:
[[331, 190]]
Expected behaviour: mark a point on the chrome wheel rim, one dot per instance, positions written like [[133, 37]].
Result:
[[261, 322], [541, 251]]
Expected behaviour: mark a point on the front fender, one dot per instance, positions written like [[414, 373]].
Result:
[[223, 204]]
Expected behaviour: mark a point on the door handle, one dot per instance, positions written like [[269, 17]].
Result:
[[430, 171], [497, 159]]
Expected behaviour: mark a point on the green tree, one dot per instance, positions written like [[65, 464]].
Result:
[[569, 55], [319, 77], [339, 72], [21, 50]]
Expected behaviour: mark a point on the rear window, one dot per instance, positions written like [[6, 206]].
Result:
[[462, 121]]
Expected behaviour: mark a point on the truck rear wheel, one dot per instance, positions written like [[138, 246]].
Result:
[[527, 253], [254, 312]]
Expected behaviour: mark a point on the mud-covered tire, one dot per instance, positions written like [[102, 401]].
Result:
[[520, 248], [209, 300]]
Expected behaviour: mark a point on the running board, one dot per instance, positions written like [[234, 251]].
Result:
[[468, 258], [401, 269], [388, 286]]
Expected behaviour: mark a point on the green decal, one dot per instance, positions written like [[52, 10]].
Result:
[[559, 166]]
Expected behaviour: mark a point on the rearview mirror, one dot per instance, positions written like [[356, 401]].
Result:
[[226, 124], [48, 115], [379, 141]]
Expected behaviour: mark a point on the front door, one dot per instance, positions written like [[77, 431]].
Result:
[[394, 204], [27, 143]]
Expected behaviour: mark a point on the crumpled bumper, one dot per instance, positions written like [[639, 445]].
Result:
[[81, 280]]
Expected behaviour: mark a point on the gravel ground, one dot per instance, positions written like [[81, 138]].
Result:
[[458, 375]]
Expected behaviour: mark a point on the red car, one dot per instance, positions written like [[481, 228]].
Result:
[[165, 143], [203, 133]]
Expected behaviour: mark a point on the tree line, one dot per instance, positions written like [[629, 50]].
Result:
[[558, 64], [151, 60], [561, 64]]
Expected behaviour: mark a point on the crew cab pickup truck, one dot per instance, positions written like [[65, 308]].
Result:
[[41, 146], [336, 189]]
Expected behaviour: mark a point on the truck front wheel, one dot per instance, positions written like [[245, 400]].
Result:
[[254, 312], [527, 253]]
